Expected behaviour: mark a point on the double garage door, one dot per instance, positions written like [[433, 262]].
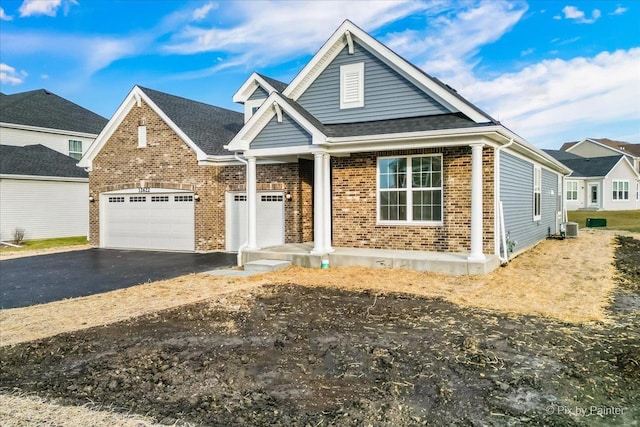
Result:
[[157, 220], [165, 220]]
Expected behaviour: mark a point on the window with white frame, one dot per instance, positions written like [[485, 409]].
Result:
[[537, 193], [352, 85], [410, 189], [572, 190], [75, 149], [620, 190]]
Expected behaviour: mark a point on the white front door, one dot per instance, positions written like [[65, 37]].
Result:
[[270, 219], [158, 220], [594, 195]]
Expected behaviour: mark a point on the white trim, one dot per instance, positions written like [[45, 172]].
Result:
[[48, 130], [476, 254], [249, 86], [151, 190], [352, 84], [625, 159], [613, 192], [130, 101], [249, 106], [142, 136], [409, 195], [337, 42], [43, 178]]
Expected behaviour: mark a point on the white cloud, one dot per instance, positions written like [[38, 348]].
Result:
[[9, 75], [4, 16], [556, 95], [527, 52], [572, 12], [619, 11], [202, 12], [259, 40], [44, 7]]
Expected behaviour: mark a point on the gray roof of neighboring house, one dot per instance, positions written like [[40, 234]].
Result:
[[45, 109], [209, 127], [632, 149], [562, 155], [37, 160], [277, 84], [594, 166]]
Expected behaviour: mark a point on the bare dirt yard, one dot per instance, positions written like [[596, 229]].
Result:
[[352, 347]]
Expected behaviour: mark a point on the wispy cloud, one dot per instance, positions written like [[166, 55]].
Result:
[[258, 38], [4, 16], [9, 75], [202, 12], [560, 95], [619, 10], [44, 7], [579, 17]]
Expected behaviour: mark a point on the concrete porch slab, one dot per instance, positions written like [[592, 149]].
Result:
[[266, 265], [448, 263]]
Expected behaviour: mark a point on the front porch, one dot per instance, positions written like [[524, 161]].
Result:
[[438, 262]]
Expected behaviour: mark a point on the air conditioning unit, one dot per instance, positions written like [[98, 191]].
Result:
[[571, 229]]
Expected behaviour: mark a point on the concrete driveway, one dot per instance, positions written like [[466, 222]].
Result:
[[45, 278]]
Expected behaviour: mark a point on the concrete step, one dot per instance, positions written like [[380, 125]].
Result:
[[266, 265]]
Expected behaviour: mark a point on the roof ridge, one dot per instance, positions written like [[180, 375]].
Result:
[[188, 99]]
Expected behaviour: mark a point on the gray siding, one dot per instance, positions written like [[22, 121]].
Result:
[[516, 193], [285, 134], [259, 93], [387, 95]]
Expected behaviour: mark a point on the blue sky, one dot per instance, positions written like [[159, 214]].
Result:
[[553, 71]]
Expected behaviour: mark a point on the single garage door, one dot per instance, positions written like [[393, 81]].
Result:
[[159, 220], [270, 219]]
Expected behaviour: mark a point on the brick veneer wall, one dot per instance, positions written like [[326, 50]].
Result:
[[354, 201], [168, 162]]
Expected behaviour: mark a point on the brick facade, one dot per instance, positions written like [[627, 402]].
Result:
[[168, 162], [354, 203]]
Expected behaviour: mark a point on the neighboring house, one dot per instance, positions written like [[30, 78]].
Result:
[[42, 117], [362, 150], [36, 191], [42, 192], [599, 183], [601, 147]]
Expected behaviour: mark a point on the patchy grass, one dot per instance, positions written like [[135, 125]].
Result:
[[41, 244], [616, 220]]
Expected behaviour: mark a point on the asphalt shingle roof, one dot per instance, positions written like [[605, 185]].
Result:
[[45, 109], [562, 155], [593, 166], [37, 160], [277, 84], [209, 127]]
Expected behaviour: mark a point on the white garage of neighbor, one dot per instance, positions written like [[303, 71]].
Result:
[[157, 220]]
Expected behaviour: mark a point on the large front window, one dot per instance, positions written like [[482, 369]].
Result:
[[410, 189], [620, 190]]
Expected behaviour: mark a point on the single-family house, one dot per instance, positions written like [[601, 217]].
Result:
[[42, 192], [361, 157], [601, 147], [42, 136], [599, 183]]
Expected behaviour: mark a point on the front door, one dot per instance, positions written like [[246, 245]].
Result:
[[594, 195]]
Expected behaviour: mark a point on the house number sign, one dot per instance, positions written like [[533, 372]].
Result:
[[144, 190]]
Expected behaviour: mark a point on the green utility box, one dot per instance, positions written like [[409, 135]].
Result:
[[596, 222]]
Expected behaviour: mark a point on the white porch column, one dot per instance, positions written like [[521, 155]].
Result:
[[326, 188], [476, 203], [252, 197], [318, 204]]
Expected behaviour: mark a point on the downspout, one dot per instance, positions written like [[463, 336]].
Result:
[[504, 257], [246, 177]]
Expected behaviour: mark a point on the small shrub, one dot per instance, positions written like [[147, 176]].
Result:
[[18, 236]]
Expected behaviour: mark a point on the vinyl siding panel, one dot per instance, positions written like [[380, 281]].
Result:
[[285, 134], [44, 209], [516, 194], [387, 95], [57, 142], [259, 93]]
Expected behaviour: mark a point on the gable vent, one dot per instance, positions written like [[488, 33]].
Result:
[[352, 85]]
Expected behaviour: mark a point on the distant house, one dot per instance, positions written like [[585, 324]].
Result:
[[362, 158], [600, 147], [42, 192], [42, 137], [599, 183], [42, 117]]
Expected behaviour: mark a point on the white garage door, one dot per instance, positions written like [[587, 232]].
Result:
[[161, 220], [270, 220]]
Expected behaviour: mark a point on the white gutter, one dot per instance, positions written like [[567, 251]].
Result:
[[504, 257], [44, 178], [246, 243]]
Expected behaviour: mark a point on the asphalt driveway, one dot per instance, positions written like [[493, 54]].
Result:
[[45, 278]]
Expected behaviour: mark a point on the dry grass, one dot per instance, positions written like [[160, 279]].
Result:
[[23, 411], [25, 253]]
